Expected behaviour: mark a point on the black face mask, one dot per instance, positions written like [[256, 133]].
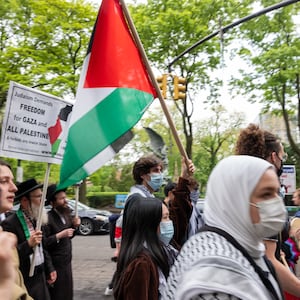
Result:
[[280, 170]]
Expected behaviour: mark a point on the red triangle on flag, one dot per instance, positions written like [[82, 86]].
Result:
[[54, 131], [115, 60]]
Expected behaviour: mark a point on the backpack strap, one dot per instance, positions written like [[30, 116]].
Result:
[[262, 275]]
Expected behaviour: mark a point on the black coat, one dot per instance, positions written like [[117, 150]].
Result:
[[61, 253], [36, 285]]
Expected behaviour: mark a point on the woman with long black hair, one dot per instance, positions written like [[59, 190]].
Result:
[[146, 254]]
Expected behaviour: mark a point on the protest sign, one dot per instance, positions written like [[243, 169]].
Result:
[[35, 125], [288, 179]]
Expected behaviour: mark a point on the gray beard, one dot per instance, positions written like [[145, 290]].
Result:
[[34, 211]]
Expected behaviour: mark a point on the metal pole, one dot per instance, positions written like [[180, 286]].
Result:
[[236, 23]]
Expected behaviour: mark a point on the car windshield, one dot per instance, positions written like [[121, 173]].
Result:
[[80, 206]]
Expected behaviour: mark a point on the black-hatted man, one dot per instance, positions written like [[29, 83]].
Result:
[[59, 231], [23, 224]]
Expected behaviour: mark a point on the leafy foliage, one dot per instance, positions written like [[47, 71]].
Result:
[[43, 44], [275, 51], [168, 28]]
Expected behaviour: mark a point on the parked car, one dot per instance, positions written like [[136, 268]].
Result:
[[92, 220]]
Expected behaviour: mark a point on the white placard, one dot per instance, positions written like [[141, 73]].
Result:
[[35, 125], [288, 178]]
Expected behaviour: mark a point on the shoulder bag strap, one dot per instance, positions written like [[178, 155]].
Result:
[[257, 269]]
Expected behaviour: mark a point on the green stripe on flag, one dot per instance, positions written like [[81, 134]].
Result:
[[55, 147], [73, 178], [100, 127]]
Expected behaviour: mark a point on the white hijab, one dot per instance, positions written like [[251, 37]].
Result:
[[226, 204]]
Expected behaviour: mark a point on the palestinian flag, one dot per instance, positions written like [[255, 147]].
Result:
[[113, 93], [56, 132]]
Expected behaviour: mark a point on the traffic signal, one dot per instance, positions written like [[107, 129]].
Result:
[[162, 83], [179, 88]]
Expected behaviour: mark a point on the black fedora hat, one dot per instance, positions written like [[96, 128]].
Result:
[[51, 192], [26, 187]]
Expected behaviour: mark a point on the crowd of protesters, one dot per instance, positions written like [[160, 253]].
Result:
[[242, 246], [229, 207], [42, 258]]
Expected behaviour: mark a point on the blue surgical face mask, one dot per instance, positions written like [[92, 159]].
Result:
[[155, 181], [166, 229], [194, 195]]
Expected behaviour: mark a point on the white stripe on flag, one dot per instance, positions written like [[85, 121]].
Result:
[[87, 98], [99, 160]]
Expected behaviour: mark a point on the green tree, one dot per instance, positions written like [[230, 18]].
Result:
[[168, 27], [272, 48], [217, 137], [43, 44]]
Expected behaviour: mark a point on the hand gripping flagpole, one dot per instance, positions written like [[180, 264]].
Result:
[[153, 80], [39, 220]]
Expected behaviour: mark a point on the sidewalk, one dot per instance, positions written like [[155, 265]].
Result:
[[92, 267]]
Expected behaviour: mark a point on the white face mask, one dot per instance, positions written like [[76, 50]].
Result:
[[273, 215]]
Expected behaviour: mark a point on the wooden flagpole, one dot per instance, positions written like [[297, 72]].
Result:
[[77, 185], [39, 220], [153, 79]]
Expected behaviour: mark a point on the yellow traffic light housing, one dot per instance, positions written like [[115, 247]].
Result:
[[162, 83], [179, 88]]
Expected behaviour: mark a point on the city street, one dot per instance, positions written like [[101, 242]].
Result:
[[92, 266]]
